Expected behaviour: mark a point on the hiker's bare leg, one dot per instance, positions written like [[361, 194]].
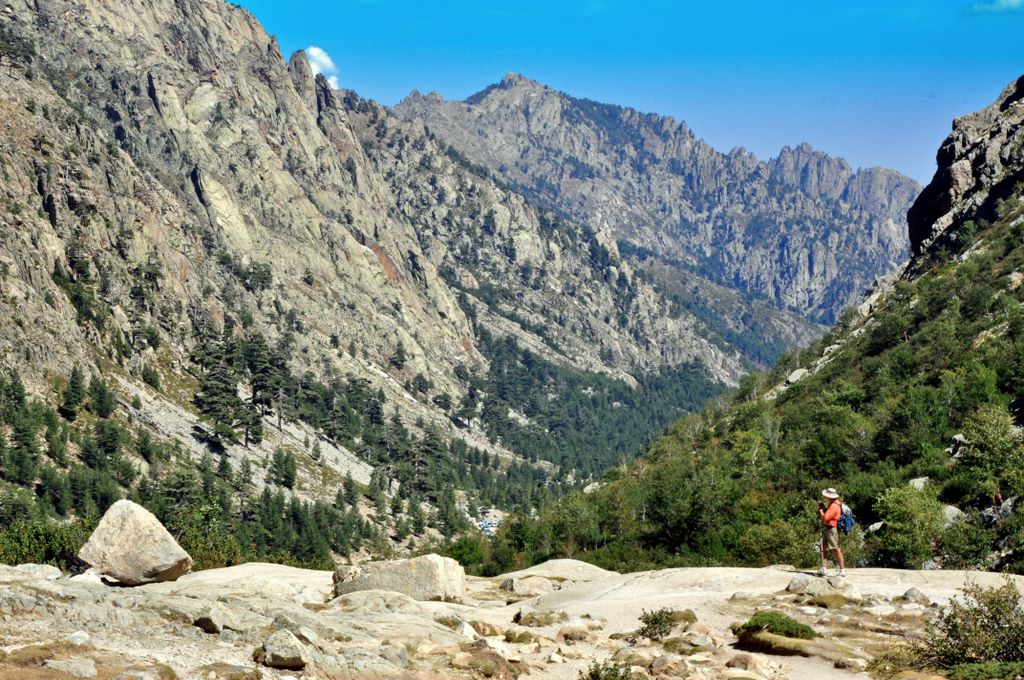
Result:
[[839, 556]]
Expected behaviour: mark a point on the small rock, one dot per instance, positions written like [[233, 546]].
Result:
[[556, 658], [40, 571], [798, 584], [669, 664], [851, 663], [796, 376], [79, 637], [308, 635], [467, 631], [283, 650], [930, 565], [77, 668], [918, 483], [877, 526], [951, 514], [462, 660], [917, 597], [87, 578], [743, 595]]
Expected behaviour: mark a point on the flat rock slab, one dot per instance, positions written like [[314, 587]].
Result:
[[131, 546], [428, 577]]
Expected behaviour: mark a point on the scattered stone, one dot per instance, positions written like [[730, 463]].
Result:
[[485, 629], [87, 577], [556, 658], [669, 664], [877, 526], [917, 597], [527, 587], [851, 663], [308, 636], [79, 638], [462, 660], [918, 483], [76, 668], [131, 546], [428, 577], [951, 514], [282, 650], [798, 584], [40, 571], [467, 631], [796, 376]]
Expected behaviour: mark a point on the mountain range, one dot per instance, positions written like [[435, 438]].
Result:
[[802, 231]]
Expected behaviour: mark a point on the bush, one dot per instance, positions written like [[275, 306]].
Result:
[[967, 543], [44, 542], [986, 624], [913, 522], [776, 623], [606, 671], [993, 670], [657, 624]]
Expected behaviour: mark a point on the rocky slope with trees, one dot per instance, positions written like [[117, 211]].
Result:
[[802, 231], [911, 407], [222, 280]]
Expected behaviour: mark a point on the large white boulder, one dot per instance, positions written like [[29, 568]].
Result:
[[131, 546], [428, 577]]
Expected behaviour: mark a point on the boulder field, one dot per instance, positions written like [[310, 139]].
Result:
[[272, 621]]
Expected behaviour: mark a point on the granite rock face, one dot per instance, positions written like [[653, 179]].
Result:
[[803, 230], [131, 546], [979, 164]]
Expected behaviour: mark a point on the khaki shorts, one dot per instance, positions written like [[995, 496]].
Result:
[[830, 538]]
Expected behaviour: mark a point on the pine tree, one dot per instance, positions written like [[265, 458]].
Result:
[[74, 393], [351, 491], [217, 399], [101, 399], [243, 482]]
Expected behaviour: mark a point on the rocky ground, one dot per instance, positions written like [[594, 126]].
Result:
[[550, 621]]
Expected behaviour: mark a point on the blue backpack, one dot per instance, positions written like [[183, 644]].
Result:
[[846, 520]]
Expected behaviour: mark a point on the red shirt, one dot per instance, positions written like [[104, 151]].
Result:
[[831, 515]]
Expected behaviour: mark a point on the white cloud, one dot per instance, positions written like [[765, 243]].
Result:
[[321, 62], [996, 6]]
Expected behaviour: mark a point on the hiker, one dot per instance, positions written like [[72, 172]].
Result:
[[830, 529]]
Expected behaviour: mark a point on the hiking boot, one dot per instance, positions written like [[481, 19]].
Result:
[[821, 572], [842, 573]]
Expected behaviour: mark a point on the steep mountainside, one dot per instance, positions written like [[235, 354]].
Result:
[[803, 230], [911, 408], [207, 254]]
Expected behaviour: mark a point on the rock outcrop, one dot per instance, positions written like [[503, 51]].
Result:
[[131, 546], [979, 164], [428, 577], [803, 230], [287, 621]]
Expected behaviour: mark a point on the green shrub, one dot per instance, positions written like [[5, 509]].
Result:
[[606, 671], [913, 522], [993, 670], [656, 624], [44, 542], [985, 624], [967, 543], [777, 623]]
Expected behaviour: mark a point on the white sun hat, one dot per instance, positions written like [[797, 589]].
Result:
[[830, 493]]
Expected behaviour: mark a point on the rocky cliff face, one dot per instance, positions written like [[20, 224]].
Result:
[[979, 165], [802, 230]]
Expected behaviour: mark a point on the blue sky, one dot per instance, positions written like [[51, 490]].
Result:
[[875, 81]]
